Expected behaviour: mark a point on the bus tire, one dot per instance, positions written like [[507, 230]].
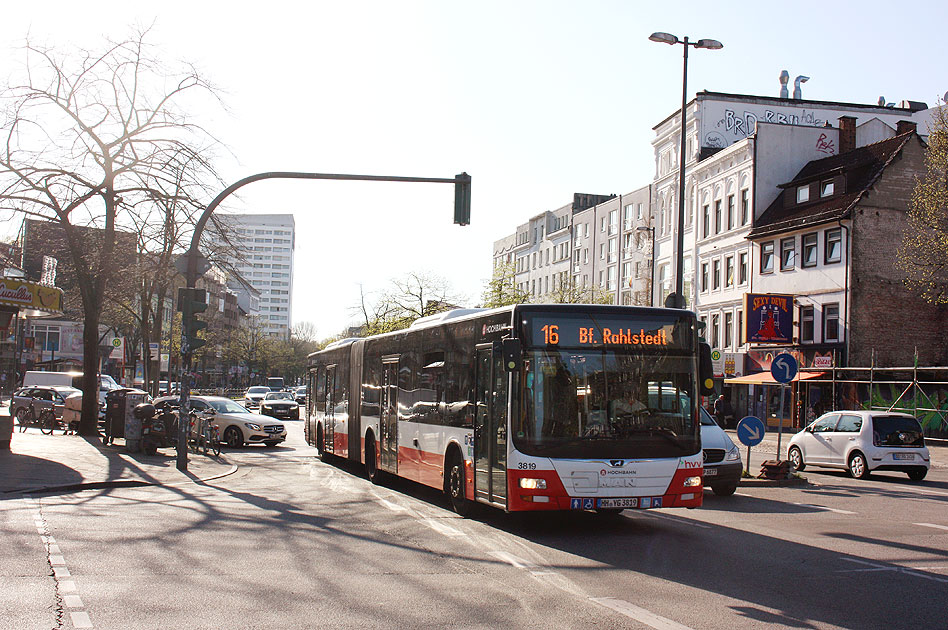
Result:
[[320, 444], [455, 483], [371, 462]]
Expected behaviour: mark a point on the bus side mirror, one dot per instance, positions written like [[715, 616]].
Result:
[[705, 370], [513, 355]]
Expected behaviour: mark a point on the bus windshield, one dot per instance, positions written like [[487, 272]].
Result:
[[602, 403]]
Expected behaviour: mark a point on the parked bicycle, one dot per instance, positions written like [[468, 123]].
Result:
[[44, 419], [204, 437]]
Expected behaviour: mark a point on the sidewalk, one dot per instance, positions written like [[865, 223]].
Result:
[[67, 463]]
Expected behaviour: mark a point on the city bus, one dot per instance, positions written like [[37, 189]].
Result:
[[526, 407]]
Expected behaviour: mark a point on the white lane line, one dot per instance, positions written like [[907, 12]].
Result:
[[935, 492], [392, 506], [80, 619], [441, 528], [72, 601], [896, 569], [945, 527], [641, 615], [511, 559], [676, 519], [741, 494], [67, 586], [824, 508], [57, 561]]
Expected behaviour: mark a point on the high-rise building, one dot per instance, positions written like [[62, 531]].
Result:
[[269, 242]]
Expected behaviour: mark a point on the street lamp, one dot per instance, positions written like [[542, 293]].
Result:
[[651, 286], [678, 301]]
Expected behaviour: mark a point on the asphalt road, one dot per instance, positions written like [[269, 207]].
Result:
[[290, 541]]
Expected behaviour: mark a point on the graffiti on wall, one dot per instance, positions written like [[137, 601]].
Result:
[[825, 145]]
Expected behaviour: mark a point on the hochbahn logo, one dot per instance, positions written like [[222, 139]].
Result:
[[492, 328]]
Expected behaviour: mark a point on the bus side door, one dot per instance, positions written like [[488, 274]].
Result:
[[388, 416], [490, 427], [329, 436]]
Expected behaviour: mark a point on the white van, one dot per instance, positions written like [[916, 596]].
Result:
[[72, 379]]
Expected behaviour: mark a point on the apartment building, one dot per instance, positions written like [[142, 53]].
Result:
[[267, 265]]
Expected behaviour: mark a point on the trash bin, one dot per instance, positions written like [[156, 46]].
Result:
[[119, 404]]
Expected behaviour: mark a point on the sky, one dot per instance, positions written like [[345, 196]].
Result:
[[536, 100]]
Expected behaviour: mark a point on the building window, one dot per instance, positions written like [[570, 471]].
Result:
[[704, 276], [767, 257], [742, 268], [728, 329], [717, 216], [729, 271], [834, 246], [740, 328], [803, 194], [831, 322], [826, 188], [809, 250], [730, 212], [705, 220], [806, 324], [716, 275], [788, 252], [638, 211], [745, 206], [611, 279], [45, 338], [715, 319]]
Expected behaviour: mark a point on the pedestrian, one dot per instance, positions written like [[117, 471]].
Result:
[[719, 410]]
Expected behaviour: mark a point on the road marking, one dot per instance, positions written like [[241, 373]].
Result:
[[441, 528], [945, 527], [80, 619], [915, 572], [641, 615], [676, 519], [57, 561], [392, 506], [741, 494], [935, 492], [72, 601], [511, 559], [824, 508]]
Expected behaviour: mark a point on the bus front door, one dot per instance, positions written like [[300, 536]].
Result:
[[490, 428], [388, 418], [329, 426]]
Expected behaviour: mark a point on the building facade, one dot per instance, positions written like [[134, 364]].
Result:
[[269, 243]]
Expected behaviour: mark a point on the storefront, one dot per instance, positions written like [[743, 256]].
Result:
[[20, 299]]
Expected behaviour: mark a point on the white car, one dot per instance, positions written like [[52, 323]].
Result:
[[237, 426], [254, 395], [862, 442], [722, 458]]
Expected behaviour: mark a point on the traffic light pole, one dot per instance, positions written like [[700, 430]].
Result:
[[462, 216]]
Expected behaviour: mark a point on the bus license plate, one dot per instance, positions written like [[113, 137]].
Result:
[[905, 456], [619, 503]]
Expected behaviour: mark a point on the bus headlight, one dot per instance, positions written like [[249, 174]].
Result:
[[532, 484], [692, 482]]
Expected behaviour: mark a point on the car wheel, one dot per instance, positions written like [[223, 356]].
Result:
[[455, 483], [724, 491], [796, 458], [917, 474], [233, 438], [857, 466]]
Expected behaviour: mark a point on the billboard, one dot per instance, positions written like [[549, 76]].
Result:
[[769, 318]]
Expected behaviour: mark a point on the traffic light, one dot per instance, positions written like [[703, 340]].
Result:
[[462, 199], [190, 303]]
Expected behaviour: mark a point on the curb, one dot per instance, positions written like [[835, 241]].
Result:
[[117, 483], [753, 482]]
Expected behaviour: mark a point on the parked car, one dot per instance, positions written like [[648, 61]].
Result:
[[43, 397], [722, 458], [280, 405], [862, 442], [237, 426], [254, 395]]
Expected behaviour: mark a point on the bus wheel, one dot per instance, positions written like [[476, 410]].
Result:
[[371, 465], [456, 483], [320, 446]]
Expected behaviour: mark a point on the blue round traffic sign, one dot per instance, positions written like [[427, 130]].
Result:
[[750, 430], [783, 368]]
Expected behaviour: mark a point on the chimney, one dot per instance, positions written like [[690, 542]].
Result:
[[904, 126], [847, 134]]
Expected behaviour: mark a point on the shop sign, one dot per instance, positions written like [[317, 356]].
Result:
[[23, 294], [823, 361], [769, 318]]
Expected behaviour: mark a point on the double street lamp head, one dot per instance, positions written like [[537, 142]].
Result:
[[668, 38]]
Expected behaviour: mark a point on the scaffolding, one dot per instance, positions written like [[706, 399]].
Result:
[[918, 390]]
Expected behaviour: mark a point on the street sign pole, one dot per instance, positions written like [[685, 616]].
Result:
[[783, 368], [780, 421]]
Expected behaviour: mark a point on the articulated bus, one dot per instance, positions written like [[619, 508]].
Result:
[[527, 407]]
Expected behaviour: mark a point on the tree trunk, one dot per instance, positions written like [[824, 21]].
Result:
[[89, 422]]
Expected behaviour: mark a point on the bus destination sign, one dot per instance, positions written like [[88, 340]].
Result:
[[578, 331], [591, 336]]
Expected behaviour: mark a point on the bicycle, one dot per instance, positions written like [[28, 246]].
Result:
[[45, 419], [205, 437], [212, 439]]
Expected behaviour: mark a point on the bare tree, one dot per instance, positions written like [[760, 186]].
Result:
[[89, 137], [415, 295], [501, 289]]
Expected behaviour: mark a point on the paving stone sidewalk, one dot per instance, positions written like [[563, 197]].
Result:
[[64, 463]]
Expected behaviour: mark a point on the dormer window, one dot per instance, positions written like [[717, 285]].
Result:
[[826, 189], [803, 194]]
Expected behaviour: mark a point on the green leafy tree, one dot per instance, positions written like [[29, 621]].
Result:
[[501, 289], [412, 296], [923, 252]]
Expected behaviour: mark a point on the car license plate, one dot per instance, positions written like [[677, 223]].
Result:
[[904, 456], [619, 503]]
